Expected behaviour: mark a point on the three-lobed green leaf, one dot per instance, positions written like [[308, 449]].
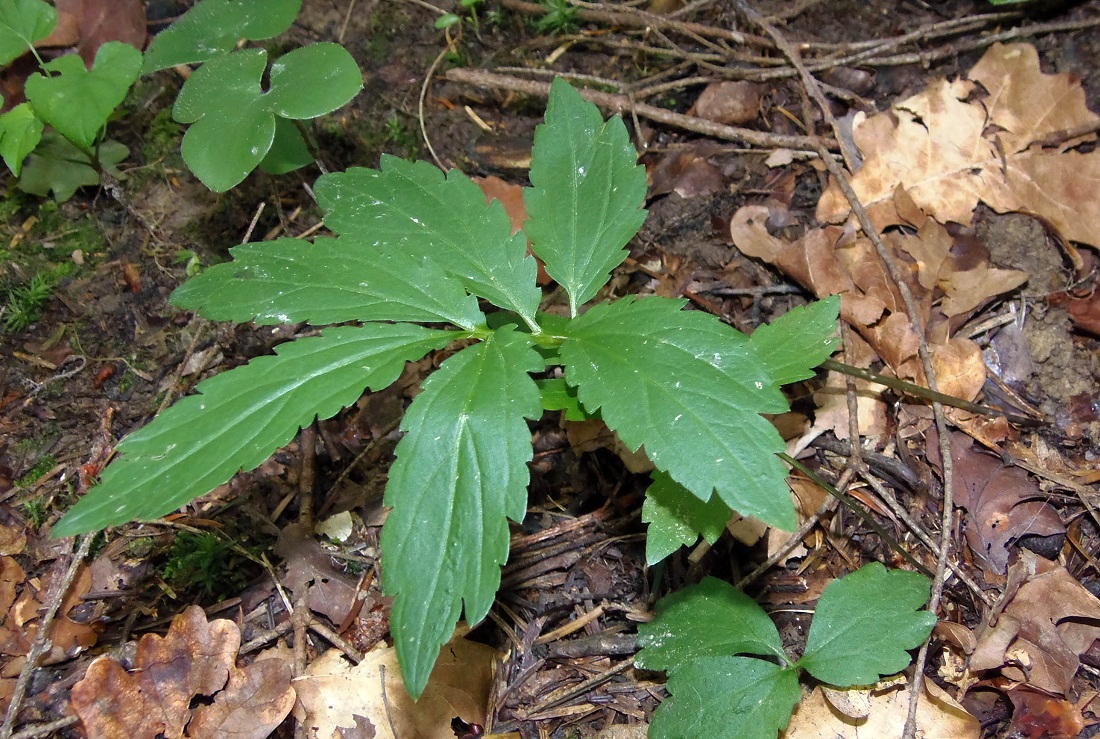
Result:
[[328, 281], [213, 27], [22, 22], [587, 193], [415, 208], [691, 390], [239, 418], [802, 338], [77, 101], [460, 473], [233, 118], [864, 623]]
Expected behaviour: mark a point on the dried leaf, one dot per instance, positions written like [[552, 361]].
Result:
[[730, 103], [1037, 714], [255, 700]]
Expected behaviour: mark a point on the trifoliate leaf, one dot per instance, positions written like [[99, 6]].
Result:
[[238, 418], [799, 340], [234, 119], [461, 471], [329, 281], [77, 102], [412, 207], [727, 698], [677, 518], [213, 27], [863, 624], [20, 132], [557, 395], [56, 164], [710, 619], [587, 195], [690, 389], [22, 22]]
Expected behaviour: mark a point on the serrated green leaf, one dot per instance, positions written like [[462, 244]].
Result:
[[212, 27], [690, 389], [677, 518], [329, 281], [288, 149], [461, 471], [727, 698], [77, 102], [233, 119], [557, 395], [711, 619], [863, 625], [56, 164], [238, 418], [412, 207], [799, 340], [20, 132], [587, 195], [22, 22]]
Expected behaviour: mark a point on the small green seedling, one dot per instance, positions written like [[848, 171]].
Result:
[[236, 124], [415, 246], [863, 625]]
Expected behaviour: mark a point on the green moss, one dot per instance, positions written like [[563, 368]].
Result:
[[34, 474]]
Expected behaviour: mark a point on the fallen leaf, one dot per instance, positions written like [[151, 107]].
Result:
[[730, 103], [336, 696], [1037, 715], [309, 568]]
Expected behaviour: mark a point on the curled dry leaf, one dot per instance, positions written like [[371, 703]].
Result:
[[195, 658], [1041, 715], [950, 147], [1047, 624]]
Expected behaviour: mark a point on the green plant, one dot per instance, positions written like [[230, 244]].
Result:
[[560, 17], [415, 246], [23, 305], [206, 562], [236, 125], [862, 627]]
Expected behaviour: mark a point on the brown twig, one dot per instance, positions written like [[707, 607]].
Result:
[[621, 104]]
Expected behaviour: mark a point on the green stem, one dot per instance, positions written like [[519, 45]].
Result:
[[922, 392]]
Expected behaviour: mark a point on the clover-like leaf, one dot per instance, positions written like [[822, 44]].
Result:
[[587, 195], [727, 698], [20, 132], [329, 281], [689, 388], [57, 164], [213, 27], [711, 619], [234, 119], [864, 623], [799, 340], [22, 22], [677, 518], [413, 207], [77, 102], [239, 418], [460, 473], [288, 149]]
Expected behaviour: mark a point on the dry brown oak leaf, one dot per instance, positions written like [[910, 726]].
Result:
[[1004, 136], [194, 658]]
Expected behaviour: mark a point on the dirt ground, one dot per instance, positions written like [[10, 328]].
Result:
[[108, 351]]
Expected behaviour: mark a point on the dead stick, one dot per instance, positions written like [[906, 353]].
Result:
[[622, 104]]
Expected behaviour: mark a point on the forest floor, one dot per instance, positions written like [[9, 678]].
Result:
[[745, 222]]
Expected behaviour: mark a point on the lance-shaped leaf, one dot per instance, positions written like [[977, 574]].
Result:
[[22, 22], [711, 619], [587, 195], [690, 389], [461, 471], [234, 119], [412, 207], [863, 624], [329, 281], [77, 102], [238, 418], [799, 340], [727, 698], [677, 518], [212, 27]]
